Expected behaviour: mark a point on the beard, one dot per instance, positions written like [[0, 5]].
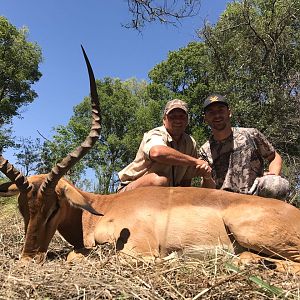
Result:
[[218, 126]]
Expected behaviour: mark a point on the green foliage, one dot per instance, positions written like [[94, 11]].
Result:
[[274, 291], [28, 155], [5, 137], [255, 45], [187, 74], [252, 55], [184, 69], [52, 152], [127, 112], [18, 71]]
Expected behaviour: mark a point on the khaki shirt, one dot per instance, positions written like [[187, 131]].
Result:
[[143, 164], [238, 160]]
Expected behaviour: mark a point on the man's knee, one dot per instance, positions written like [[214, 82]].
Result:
[[273, 186], [158, 180], [151, 179]]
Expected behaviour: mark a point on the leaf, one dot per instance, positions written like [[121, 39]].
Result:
[[273, 289], [257, 280]]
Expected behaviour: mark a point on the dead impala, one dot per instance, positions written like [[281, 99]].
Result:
[[148, 222]]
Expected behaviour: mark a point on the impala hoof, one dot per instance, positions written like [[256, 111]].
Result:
[[37, 258], [78, 255]]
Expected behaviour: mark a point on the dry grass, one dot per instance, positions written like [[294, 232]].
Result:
[[102, 276]]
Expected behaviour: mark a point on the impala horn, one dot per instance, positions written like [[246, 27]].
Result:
[[14, 175], [72, 158]]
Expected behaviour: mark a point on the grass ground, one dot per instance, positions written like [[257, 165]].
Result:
[[102, 276]]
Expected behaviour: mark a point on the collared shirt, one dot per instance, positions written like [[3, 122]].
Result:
[[143, 164], [238, 160]]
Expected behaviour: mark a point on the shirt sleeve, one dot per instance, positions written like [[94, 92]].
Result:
[[153, 138], [203, 153], [191, 170], [264, 147]]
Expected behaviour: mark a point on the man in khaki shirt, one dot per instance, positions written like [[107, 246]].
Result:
[[167, 156]]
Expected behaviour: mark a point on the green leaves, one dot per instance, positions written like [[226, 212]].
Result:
[[252, 55], [19, 60], [183, 69], [257, 45], [28, 154], [275, 291], [127, 112]]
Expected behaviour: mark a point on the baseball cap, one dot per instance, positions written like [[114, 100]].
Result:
[[175, 103], [214, 98]]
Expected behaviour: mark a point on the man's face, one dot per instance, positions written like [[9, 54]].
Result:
[[217, 116], [176, 121]]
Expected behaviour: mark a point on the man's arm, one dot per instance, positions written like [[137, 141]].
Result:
[[275, 164], [267, 151], [208, 182], [170, 156]]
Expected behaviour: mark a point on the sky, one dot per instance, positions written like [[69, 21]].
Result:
[[59, 27]]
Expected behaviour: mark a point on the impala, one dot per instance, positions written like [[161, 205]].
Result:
[[148, 222]]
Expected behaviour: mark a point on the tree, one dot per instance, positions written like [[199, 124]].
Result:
[[5, 137], [127, 112], [166, 12], [19, 61], [255, 47], [252, 55], [28, 155], [187, 74]]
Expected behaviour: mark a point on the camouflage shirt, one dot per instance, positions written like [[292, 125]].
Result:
[[238, 160]]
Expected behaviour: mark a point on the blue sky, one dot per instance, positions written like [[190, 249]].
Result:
[[60, 27]]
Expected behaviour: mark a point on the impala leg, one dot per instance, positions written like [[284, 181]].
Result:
[[147, 253], [77, 255], [275, 235], [138, 247], [283, 266]]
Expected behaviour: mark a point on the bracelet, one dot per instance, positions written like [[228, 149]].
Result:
[[207, 177]]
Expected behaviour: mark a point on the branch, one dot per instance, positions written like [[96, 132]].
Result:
[[169, 12], [246, 15], [216, 52], [43, 136]]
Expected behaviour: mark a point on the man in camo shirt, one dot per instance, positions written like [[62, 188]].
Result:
[[237, 155]]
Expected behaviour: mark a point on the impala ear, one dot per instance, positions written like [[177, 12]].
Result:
[[8, 189], [76, 199]]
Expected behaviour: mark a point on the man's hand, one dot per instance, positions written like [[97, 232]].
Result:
[[203, 169]]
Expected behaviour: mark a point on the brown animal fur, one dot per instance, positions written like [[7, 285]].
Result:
[[148, 222], [154, 221]]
